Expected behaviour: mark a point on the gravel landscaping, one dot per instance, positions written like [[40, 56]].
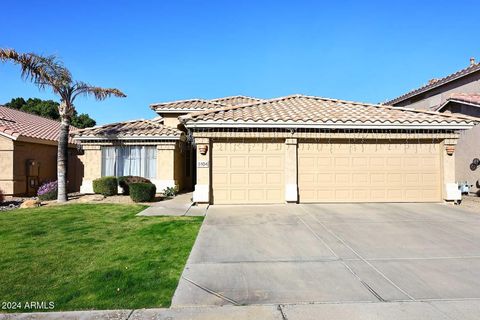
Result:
[[471, 203]]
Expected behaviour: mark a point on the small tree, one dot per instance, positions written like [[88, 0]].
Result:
[[49, 72]]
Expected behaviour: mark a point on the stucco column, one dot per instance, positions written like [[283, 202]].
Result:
[[165, 166], [203, 166], [291, 170], [92, 166], [448, 161]]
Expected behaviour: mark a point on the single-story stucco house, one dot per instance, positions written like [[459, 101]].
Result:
[[156, 149], [459, 93], [28, 152], [242, 150]]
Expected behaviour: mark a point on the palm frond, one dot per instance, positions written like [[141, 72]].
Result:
[[82, 88], [43, 71]]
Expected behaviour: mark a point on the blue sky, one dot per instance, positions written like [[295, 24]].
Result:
[[166, 50]]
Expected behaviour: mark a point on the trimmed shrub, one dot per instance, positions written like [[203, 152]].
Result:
[[48, 191], [2, 197], [107, 186], [142, 192], [125, 181]]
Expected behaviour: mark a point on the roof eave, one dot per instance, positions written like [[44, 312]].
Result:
[[476, 105], [223, 124], [174, 110], [90, 138]]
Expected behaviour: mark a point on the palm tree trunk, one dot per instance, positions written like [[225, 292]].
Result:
[[62, 159]]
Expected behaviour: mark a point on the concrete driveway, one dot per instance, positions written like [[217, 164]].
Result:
[[322, 253]]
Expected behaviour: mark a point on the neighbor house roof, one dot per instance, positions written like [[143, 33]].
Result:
[[308, 111], [192, 105], [236, 100], [135, 129], [19, 125], [183, 106], [434, 83], [472, 99]]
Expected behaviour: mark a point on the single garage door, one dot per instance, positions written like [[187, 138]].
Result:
[[369, 172], [248, 172]]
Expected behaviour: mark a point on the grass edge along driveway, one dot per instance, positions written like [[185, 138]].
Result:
[[91, 256]]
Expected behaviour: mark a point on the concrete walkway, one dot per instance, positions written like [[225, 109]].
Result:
[[181, 205], [425, 310]]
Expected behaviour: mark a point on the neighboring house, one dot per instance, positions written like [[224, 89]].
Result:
[[455, 93], [290, 149], [157, 149], [28, 151]]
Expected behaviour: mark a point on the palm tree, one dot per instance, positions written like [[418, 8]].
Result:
[[49, 72]]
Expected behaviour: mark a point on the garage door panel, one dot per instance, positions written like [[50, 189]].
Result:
[[255, 162], [222, 178], [394, 178], [255, 194], [238, 178], [358, 195], [221, 162], [394, 162], [324, 162], [342, 163], [360, 162], [342, 179], [377, 162], [256, 178], [237, 162], [360, 179], [379, 172], [274, 178], [238, 195], [324, 178], [248, 173]]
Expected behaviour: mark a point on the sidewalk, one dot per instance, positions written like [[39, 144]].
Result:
[[438, 310], [180, 205]]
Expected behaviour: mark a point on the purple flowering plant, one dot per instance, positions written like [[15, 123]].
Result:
[[48, 191]]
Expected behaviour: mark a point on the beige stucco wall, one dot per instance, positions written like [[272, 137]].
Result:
[[468, 148], [6, 165], [13, 166], [202, 192], [171, 119], [171, 165], [46, 157]]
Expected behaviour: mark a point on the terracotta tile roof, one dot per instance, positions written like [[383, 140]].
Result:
[[236, 100], [307, 110], [473, 98], [186, 105], [128, 129], [17, 124], [436, 83], [459, 97], [192, 105]]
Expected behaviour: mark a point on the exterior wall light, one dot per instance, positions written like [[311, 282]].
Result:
[[203, 149]]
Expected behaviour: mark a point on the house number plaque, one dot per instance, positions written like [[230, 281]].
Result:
[[203, 164]]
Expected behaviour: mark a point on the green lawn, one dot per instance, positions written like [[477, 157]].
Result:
[[92, 256]]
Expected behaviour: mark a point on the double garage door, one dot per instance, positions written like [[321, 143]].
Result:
[[253, 173]]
